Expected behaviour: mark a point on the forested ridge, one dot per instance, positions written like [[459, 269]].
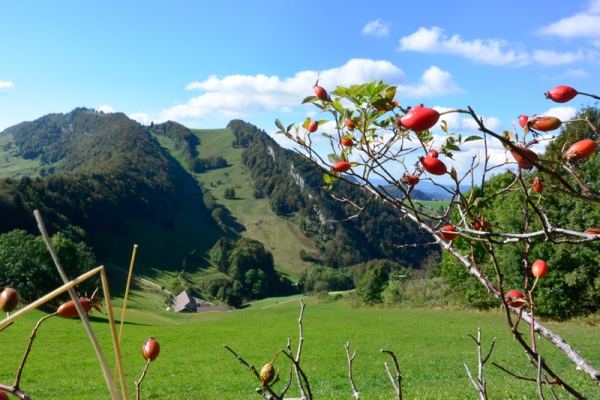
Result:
[[105, 170], [294, 189], [100, 173]]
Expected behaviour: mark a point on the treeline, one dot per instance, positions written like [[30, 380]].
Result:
[[293, 187], [186, 142]]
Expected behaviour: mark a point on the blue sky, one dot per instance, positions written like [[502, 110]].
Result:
[[204, 63]]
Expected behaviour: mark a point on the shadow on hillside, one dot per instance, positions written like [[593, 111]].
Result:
[[117, 321]]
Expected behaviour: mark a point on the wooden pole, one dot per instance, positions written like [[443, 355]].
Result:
[[84, 318], [113, 332], [135, 246]]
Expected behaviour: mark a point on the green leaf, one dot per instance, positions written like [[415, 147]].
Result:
[[333, 158], [471, 138], [328, 179], [451, 146], [309, 99], [338, 106], [327, 135], [280, 126], [340, 91]]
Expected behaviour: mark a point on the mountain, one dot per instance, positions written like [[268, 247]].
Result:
[[295, 190], [187, 198], [103, 178]]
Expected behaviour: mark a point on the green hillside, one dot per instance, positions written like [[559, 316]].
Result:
[[281, 237], [111, 182], [11, 164]]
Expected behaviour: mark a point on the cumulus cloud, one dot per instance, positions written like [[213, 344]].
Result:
[[142, 118], [236, 96], [497, 52], [434, 82], [377, 28], [563, 113], [107, 109], [6, 84], [581, 25]]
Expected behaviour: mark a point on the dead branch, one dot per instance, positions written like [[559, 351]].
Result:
[[397, 381], [350, 359]]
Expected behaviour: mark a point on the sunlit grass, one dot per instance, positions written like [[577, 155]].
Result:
[[431, 345]]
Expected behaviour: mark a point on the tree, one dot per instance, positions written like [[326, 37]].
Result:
[[26, 264], [372, 285], [229, 193], [385, 135]]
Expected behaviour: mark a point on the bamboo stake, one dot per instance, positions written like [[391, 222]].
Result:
[[135, 246], [84, 318], [113, 331]]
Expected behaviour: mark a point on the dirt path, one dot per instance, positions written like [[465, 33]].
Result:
[[280, 302]]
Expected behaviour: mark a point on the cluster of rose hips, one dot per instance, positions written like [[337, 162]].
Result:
[[578, 151]]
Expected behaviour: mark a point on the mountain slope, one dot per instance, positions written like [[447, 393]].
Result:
[[293, 187], [112, 185]]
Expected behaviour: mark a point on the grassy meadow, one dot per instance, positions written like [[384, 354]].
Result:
[[13, 166], [431, 345]]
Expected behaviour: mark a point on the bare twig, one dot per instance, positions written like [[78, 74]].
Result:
[[139, 382], [397, 381], [28, 349], [350, 359]]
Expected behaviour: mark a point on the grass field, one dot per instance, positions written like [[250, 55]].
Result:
[[13, 166], [435, 204], [431, 345]]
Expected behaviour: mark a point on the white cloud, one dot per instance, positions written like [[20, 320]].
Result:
[[461, 123], [107, 109], [236, 96], [283, 140], [434, 82], [485, 51], [141, 118], [377, 28], [563, 113], [6, 84], [583, 25]]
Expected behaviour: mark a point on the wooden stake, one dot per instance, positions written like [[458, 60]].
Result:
[[84, 318], [135, 246]]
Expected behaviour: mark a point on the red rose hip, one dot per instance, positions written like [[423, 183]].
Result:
[[561, 94]]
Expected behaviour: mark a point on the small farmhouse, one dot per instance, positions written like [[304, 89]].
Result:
[[184, 302]]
